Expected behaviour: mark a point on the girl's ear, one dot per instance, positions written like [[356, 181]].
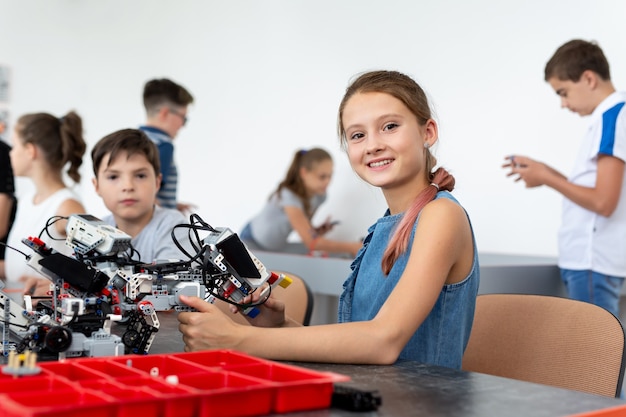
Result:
[[431, 132], [31, 150]]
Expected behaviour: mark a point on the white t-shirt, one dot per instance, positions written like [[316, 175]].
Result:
[[30, 219], [587, 240]]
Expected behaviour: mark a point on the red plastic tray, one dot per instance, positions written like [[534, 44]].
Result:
[[617, 411], [218, 383]]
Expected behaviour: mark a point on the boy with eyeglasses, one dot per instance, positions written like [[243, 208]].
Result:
[[166, 104]]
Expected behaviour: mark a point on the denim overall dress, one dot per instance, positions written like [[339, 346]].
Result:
[[441, 339]]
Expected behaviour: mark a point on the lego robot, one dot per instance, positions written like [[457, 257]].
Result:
[[102, 284]]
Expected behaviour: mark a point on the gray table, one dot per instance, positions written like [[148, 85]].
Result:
[[499, 273], [414, 389]]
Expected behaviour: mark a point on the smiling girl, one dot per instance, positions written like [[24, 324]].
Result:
[[412, 290]]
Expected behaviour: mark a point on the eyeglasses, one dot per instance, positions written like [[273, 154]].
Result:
[[179, 114]]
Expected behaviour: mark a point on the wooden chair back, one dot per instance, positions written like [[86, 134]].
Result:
[[548, 340]]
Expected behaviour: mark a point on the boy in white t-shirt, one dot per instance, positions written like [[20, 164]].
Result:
[[592, 236]]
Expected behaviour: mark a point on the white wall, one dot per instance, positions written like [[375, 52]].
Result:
[[268, 77]]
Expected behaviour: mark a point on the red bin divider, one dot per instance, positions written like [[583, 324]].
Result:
[[218, 383]]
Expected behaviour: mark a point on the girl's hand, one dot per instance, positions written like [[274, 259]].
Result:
[[35, 286], [271, 312], [355, 248], [324, 228], [208, 328]]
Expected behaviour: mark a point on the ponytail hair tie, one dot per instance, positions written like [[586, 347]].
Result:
[[435, 185]]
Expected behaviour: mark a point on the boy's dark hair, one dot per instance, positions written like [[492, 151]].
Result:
[[163, 92], [131, 141], [575, 57]]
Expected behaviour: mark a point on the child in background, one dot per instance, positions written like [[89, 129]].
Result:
[[8, 202], [292, 206], [412, 290], [43, 145], [166, 104], [127, 177], [592, 236]]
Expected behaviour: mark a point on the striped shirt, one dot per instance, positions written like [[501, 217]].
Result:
[[166, 197]]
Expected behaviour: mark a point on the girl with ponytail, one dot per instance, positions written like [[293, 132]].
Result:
[[412, 291], [291, 206], [45, 148]]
